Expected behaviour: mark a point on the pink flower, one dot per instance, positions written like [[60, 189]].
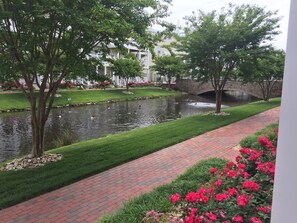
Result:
[[221, 197], [174, 198], [242, 200], [237, 219], [211, 216], [222, 214], [255, 220], [250, 185], [232, 191], [217, 183], [213, 170]]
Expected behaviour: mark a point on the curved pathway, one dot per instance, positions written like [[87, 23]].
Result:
[[105, 192]]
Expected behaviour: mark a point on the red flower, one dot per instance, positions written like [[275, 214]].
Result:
[[237, 219], [217, 183], [174, 198], [231, 173], [241, 166], [254, 155], [210, 192], [230, 164], [211, 216], [250, 185], [255, 220], [245, 151], [201, 191], [245, 175], [221, 197], [232, 191], [191, 197], [213, 170], [264, 142], [263, 209], [238, 158], [242, 200]]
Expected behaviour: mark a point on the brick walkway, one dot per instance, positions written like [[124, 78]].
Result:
[[88, 199]]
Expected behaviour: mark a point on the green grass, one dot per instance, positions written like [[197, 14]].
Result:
[[94, 156], [158, 200], [18, 100]]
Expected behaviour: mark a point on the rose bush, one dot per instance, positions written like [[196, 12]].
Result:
[[240, 192]]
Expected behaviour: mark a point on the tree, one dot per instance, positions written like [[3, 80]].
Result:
[[126, 68], [265, 70], [169, 66], [48, 41], [215, 43]]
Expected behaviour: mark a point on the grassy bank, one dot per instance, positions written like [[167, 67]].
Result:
[[18, 101], [94, 156], [158, 199]]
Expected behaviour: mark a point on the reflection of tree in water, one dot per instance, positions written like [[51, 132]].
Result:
[[14, 132]]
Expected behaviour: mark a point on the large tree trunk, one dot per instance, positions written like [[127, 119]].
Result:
[[127, 84], [38, 138], [39, 115], [169, 83], [219, 94], [266, 88]]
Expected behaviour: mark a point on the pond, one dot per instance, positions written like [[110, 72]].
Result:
[[89, 122]]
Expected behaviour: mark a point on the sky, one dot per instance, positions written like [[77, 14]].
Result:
[[182, 8]]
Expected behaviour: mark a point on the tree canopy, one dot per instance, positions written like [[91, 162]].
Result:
[[215, 43], [45, 41], [265, 70], [169, 66], [127, 67]]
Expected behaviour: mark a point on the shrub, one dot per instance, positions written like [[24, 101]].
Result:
[[66, 138], [251, 141], [240, 192]]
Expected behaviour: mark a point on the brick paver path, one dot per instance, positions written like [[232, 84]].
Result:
[[88, 199]]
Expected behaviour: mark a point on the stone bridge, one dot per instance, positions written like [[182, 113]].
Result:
[[196, 88]]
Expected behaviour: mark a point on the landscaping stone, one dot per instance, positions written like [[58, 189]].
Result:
[[29, 162]]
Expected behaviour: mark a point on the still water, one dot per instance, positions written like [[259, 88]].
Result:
[[96, 121]]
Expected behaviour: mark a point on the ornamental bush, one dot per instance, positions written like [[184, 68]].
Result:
[[241, 192]]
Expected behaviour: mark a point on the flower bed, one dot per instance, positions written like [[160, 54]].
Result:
[[241, 192], [141, 84]]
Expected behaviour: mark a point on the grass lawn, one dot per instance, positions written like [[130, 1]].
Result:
[[158, 200], [19, 101], [87, 158]]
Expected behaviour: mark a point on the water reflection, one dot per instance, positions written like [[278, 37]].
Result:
[[100, 120]]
